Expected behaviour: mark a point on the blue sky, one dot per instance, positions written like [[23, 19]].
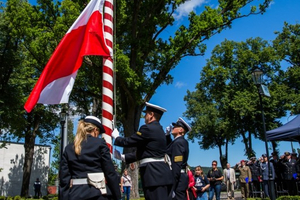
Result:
[[187, 73]]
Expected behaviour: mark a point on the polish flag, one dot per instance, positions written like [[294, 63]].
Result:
[[85, 37]]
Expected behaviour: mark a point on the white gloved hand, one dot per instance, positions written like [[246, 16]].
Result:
[[115, 133], [173, 194], [168, 129]]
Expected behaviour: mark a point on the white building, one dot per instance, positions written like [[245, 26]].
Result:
[[11, 167]]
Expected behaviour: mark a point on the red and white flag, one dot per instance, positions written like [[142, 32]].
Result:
[[85, 37]]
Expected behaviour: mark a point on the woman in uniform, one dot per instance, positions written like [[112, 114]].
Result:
[[88, 155]]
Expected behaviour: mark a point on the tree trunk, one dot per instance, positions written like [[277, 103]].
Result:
[[245, 140], [28, 160], [221, 157], [131, 125]]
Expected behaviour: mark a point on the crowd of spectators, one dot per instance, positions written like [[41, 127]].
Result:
[[253, 179]]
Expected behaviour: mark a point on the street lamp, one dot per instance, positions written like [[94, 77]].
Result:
[[62, 116], [257, 76]]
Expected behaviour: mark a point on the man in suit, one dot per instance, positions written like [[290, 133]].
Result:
[[150, 141], [245, 178], [229, 180], [178, 151]]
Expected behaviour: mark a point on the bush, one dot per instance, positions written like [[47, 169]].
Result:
[[288, 198], [258, 198], [2, 198], [55, 198], [17, 197]]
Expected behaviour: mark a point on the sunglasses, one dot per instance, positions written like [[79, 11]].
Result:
[[214, 164]]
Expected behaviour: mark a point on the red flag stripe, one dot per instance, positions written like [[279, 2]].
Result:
[[85, 37]]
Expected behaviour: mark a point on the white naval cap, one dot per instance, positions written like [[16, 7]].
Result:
[[96, 121], [154, 108], [180, 122]]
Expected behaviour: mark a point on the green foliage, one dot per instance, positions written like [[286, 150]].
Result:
[[146, 48], [225, 104], [288, 198], [2, 197], [17, 197]]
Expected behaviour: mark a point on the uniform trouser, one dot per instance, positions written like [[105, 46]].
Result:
[[182, 186], [245, 190], [254, 186], [158, 192], [230, 188], [290, 185]]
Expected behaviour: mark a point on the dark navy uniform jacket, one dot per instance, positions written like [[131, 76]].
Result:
[[289, 169], [178, 150], [255, 171], [94, 157], [151, 143]]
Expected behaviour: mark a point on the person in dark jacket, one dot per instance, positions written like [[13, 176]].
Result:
[[88, 154], [253, 164], [150, 141], [289, 173], [178, 151], [37, 188], [215, 178]]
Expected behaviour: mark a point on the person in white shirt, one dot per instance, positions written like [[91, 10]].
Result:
[[126, 184], [229, 180]]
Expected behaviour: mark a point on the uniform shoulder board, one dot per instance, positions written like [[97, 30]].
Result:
[[138, 133], [178, 158]]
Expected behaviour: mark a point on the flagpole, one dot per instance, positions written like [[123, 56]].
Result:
[[108, 75]]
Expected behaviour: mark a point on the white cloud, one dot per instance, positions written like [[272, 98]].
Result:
[[184, 9], [180, 84]]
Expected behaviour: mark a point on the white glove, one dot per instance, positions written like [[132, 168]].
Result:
[[115, 133], [118, 155], [168, 129], [173, 194]]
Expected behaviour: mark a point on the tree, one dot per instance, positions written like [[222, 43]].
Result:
[[145, 56], [225, 104], [17, 22], [287, 45]]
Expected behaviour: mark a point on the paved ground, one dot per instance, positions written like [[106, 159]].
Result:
[[237, 195]]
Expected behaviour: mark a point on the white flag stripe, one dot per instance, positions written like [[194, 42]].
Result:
[[94, 5], [59, 90]]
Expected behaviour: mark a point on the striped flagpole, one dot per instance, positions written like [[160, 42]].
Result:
[[107, 83]]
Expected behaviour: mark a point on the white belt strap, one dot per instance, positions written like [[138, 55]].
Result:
[[147, 160], [79, 181]]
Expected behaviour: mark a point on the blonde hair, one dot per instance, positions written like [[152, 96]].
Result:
[[200, 168], [83, 129]]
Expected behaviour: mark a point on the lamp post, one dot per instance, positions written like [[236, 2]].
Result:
[[63, 116], [257, 76]]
